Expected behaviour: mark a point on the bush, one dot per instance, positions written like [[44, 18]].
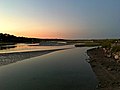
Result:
[[115, 48], [106, 44]]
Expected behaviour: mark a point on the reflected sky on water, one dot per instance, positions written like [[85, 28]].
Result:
[[31, 47], [61, 70]]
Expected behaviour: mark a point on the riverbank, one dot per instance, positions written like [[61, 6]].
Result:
[[7, 58], [106, 69]]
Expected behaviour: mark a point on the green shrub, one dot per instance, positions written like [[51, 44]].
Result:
[[115, 48], [106, 44]]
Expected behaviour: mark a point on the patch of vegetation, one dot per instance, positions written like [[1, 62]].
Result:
[[8, 39], [90, 44], [115, 48], [106, 44]]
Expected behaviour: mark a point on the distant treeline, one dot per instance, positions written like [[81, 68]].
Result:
[[7, 38], [14, 39]]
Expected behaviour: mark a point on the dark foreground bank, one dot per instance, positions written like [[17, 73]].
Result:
[[106, 69]]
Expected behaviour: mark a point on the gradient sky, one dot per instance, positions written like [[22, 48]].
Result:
[[76, 19]]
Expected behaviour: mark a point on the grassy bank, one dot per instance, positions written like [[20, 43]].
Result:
[[87, 44]]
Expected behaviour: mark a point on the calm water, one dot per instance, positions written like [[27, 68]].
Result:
[[28, 47], [61, 70]]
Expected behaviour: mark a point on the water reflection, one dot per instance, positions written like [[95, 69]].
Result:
[[22, 47], [7, 47], [61, 70]]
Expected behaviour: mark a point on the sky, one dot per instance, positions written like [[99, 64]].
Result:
[[70, 19]]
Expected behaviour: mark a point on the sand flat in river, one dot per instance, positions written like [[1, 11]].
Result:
[[7, 58]]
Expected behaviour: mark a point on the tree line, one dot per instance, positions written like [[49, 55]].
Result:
[[7, 38]]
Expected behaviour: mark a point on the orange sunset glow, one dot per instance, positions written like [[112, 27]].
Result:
[[31, 28], [58, 19]]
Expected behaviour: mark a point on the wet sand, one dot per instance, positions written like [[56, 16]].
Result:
[[7, 58], [106, 69]]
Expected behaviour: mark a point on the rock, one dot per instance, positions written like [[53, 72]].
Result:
[[88, 60], [108, 55], [104, 50], [116, 57]]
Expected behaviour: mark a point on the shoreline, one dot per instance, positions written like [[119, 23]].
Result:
[[106, 69], [8, 58]]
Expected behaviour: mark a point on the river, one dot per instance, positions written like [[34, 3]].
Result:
[[60, 70]]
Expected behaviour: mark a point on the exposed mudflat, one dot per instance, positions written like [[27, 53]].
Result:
[[7, 58]]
